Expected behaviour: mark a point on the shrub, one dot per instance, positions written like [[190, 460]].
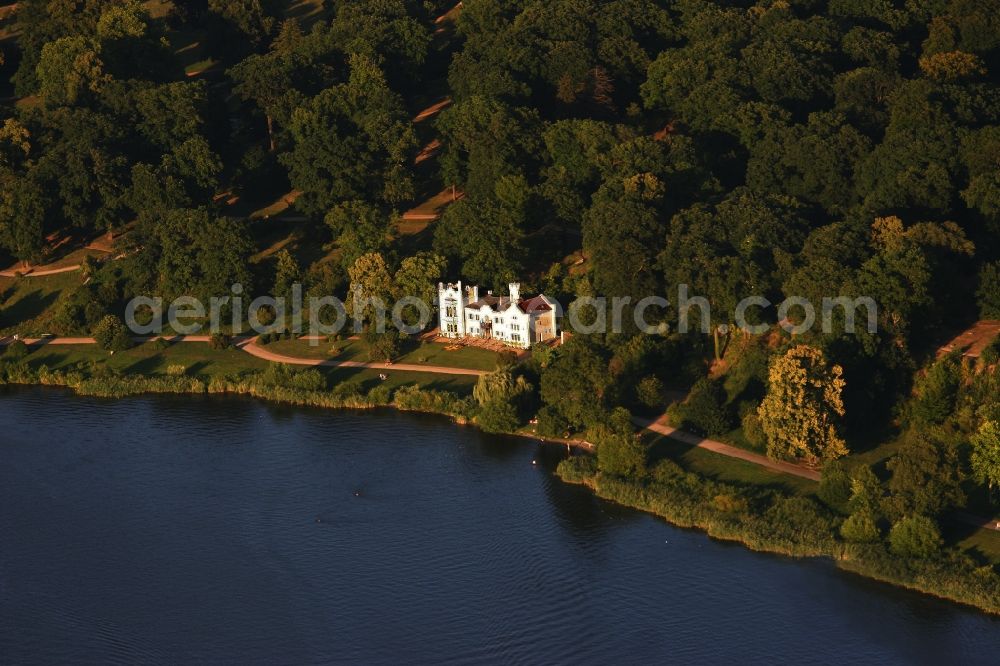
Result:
[[860, 527], [414, 398], [835, 487], [176, 370], [729, 503], [937, 392], [281, 375], [621, 454], [705, 409], [866, 490], [577, 469], [666, 471], [753, 431], [497, 416], [506, 358], [650, 392], [799, 525], [380, 395], [917, 537], [111, 334], [383, 346], [220, 341], [345, 390], [542, 355], [551, 423]]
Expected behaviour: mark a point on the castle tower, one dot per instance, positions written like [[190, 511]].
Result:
[[451, 310]]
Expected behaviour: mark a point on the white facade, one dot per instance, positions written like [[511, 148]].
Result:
[[508, 319]]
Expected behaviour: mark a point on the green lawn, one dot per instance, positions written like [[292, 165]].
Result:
[[724, 468], [26, 303], [149, 359], [459, 384], [200, 360], [430, 353], [981, 544]]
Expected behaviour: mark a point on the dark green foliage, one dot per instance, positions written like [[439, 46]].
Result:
[[220, 341], [382, 346], [414, 398], [937, 392], [551, 422], [280, 375], [860, 527], [577, 469], [916, 537], [576, 383], [111, 334], [926, 478], [835, 487], [988, 294], [196, 254], [506, 358], [346, 135], [15, 351], [705, 410], [485, 236], [497, 416], [621, 455], [650, 392]]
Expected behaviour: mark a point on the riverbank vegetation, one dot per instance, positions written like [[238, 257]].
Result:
[[771, 519], [623, 148]]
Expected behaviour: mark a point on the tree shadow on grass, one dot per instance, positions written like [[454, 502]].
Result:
[[51, 361], [955, 530], [668, 448], [30, 306], [145, 366], [197, 368]]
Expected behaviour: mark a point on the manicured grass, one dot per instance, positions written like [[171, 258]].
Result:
[[981, 544], [458, 384], [435, 353], [26, 303], [347, 350], [149, 359], [429, 353], [723, 468], [201, 360]]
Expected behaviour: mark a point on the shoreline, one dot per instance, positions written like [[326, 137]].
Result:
[[856, 559], [359, 406], [847, 557]]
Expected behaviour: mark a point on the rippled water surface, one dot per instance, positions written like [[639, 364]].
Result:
[[165, 530]]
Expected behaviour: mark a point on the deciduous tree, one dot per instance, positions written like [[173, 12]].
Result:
[[803, 403]]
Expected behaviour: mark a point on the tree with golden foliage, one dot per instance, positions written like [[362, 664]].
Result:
[[953, 66], [802, 405]]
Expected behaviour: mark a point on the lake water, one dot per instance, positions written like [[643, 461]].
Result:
[[189, 529]]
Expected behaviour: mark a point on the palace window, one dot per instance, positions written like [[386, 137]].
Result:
[[450, 311]]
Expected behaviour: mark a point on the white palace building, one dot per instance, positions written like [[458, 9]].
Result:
[[512, 320]]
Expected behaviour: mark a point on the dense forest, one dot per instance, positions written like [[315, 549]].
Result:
[[617, 148]]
